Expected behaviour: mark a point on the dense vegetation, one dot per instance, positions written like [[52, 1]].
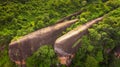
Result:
[[101, 38], [20, 17]]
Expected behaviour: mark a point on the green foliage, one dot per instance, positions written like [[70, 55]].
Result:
[[6, 61], [99, 56], [91, 62], [44, 57], [20, 17], [101, 37], [115, 63], [104, 36]]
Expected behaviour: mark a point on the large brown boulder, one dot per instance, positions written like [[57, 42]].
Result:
[[21, 49], [67, 45]]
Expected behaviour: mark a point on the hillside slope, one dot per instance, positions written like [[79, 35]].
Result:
[[20, 17]]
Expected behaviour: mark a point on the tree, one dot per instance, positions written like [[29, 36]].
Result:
[[91, 62]]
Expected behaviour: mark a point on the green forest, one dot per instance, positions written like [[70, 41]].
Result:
[[21, 17]]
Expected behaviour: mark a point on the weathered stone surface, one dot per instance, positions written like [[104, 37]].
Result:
[[24, 47], [64, 45]]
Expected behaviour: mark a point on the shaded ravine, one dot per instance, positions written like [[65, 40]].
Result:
[[67, 45], [27, 45]]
